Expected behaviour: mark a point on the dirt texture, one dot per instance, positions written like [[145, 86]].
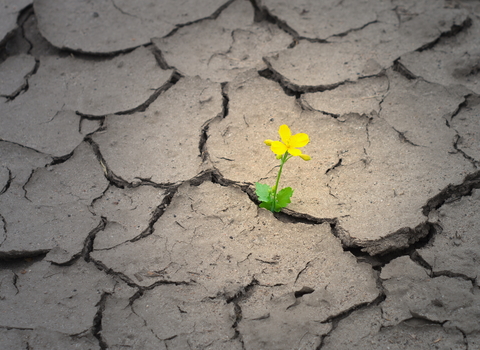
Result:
[[132, 136]]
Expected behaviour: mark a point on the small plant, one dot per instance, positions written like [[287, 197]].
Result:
[[284, 150]]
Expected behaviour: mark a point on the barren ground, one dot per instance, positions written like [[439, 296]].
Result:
[[131, 137]]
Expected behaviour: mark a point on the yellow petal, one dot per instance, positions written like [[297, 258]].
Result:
[[285, 133], [294, 151], [268, 142], [305, 157], [299, 140], [278, 148]]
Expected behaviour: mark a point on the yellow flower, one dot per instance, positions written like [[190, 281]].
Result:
[[289, 143]]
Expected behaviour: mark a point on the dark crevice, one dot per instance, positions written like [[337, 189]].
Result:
[[474, 162], [138, 294], [23, 88], [157, 213], [339, 163], [142, 289], [69, 262], [334, 320], [21, 18], [164, 282], [454, 30], [453, 275], [94, 56], [97, 322], [377, 262], [400, 68], [262, 14], [91, 117], [148, 181], [453, 192], [238, 317], [204, 130], [25, 194], [174, 78], [21, 261], [381, 251], [62, 159], [111, 177], [404, 139], [9, 182], [401, 242], [217, 178], [121, 183], [340, 35], [88, 244], [243, 294], [24, 15], [417, 258], [162, 207], [300, 293], [303, 291], [225, 101], [5, 229], [302, 271], [161, 60], [269, 74], [305, 106], [382, 259], [211, 17], [258, 14], [102, 267], [420, 319], [101, 121], [290, 88], [461, 106], [203, 141]]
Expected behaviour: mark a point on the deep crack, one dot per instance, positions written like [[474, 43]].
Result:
[[88, 244], [97, 322], [454, 30], [453, 192]]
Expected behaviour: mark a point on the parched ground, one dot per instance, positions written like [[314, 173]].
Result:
[[131, 137]]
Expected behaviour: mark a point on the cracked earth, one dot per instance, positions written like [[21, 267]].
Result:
[[131, 136]]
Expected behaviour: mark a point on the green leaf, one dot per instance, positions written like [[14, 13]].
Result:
[[266, 205], [283, 198], [264, 192]]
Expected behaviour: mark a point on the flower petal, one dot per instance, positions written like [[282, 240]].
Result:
[[299, 140], [294, 151], [305, 157], [278, 148], [285, 133], [268, 142]]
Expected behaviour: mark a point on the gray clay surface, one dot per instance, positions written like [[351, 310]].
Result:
[[162, 132], [224, 47], [8, 17], [13, 72], [455, 249], [110, 26], [132, 136]]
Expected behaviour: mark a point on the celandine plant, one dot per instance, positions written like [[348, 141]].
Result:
[[268, 196]]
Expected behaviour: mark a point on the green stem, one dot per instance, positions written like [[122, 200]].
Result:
[[283, 160]]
